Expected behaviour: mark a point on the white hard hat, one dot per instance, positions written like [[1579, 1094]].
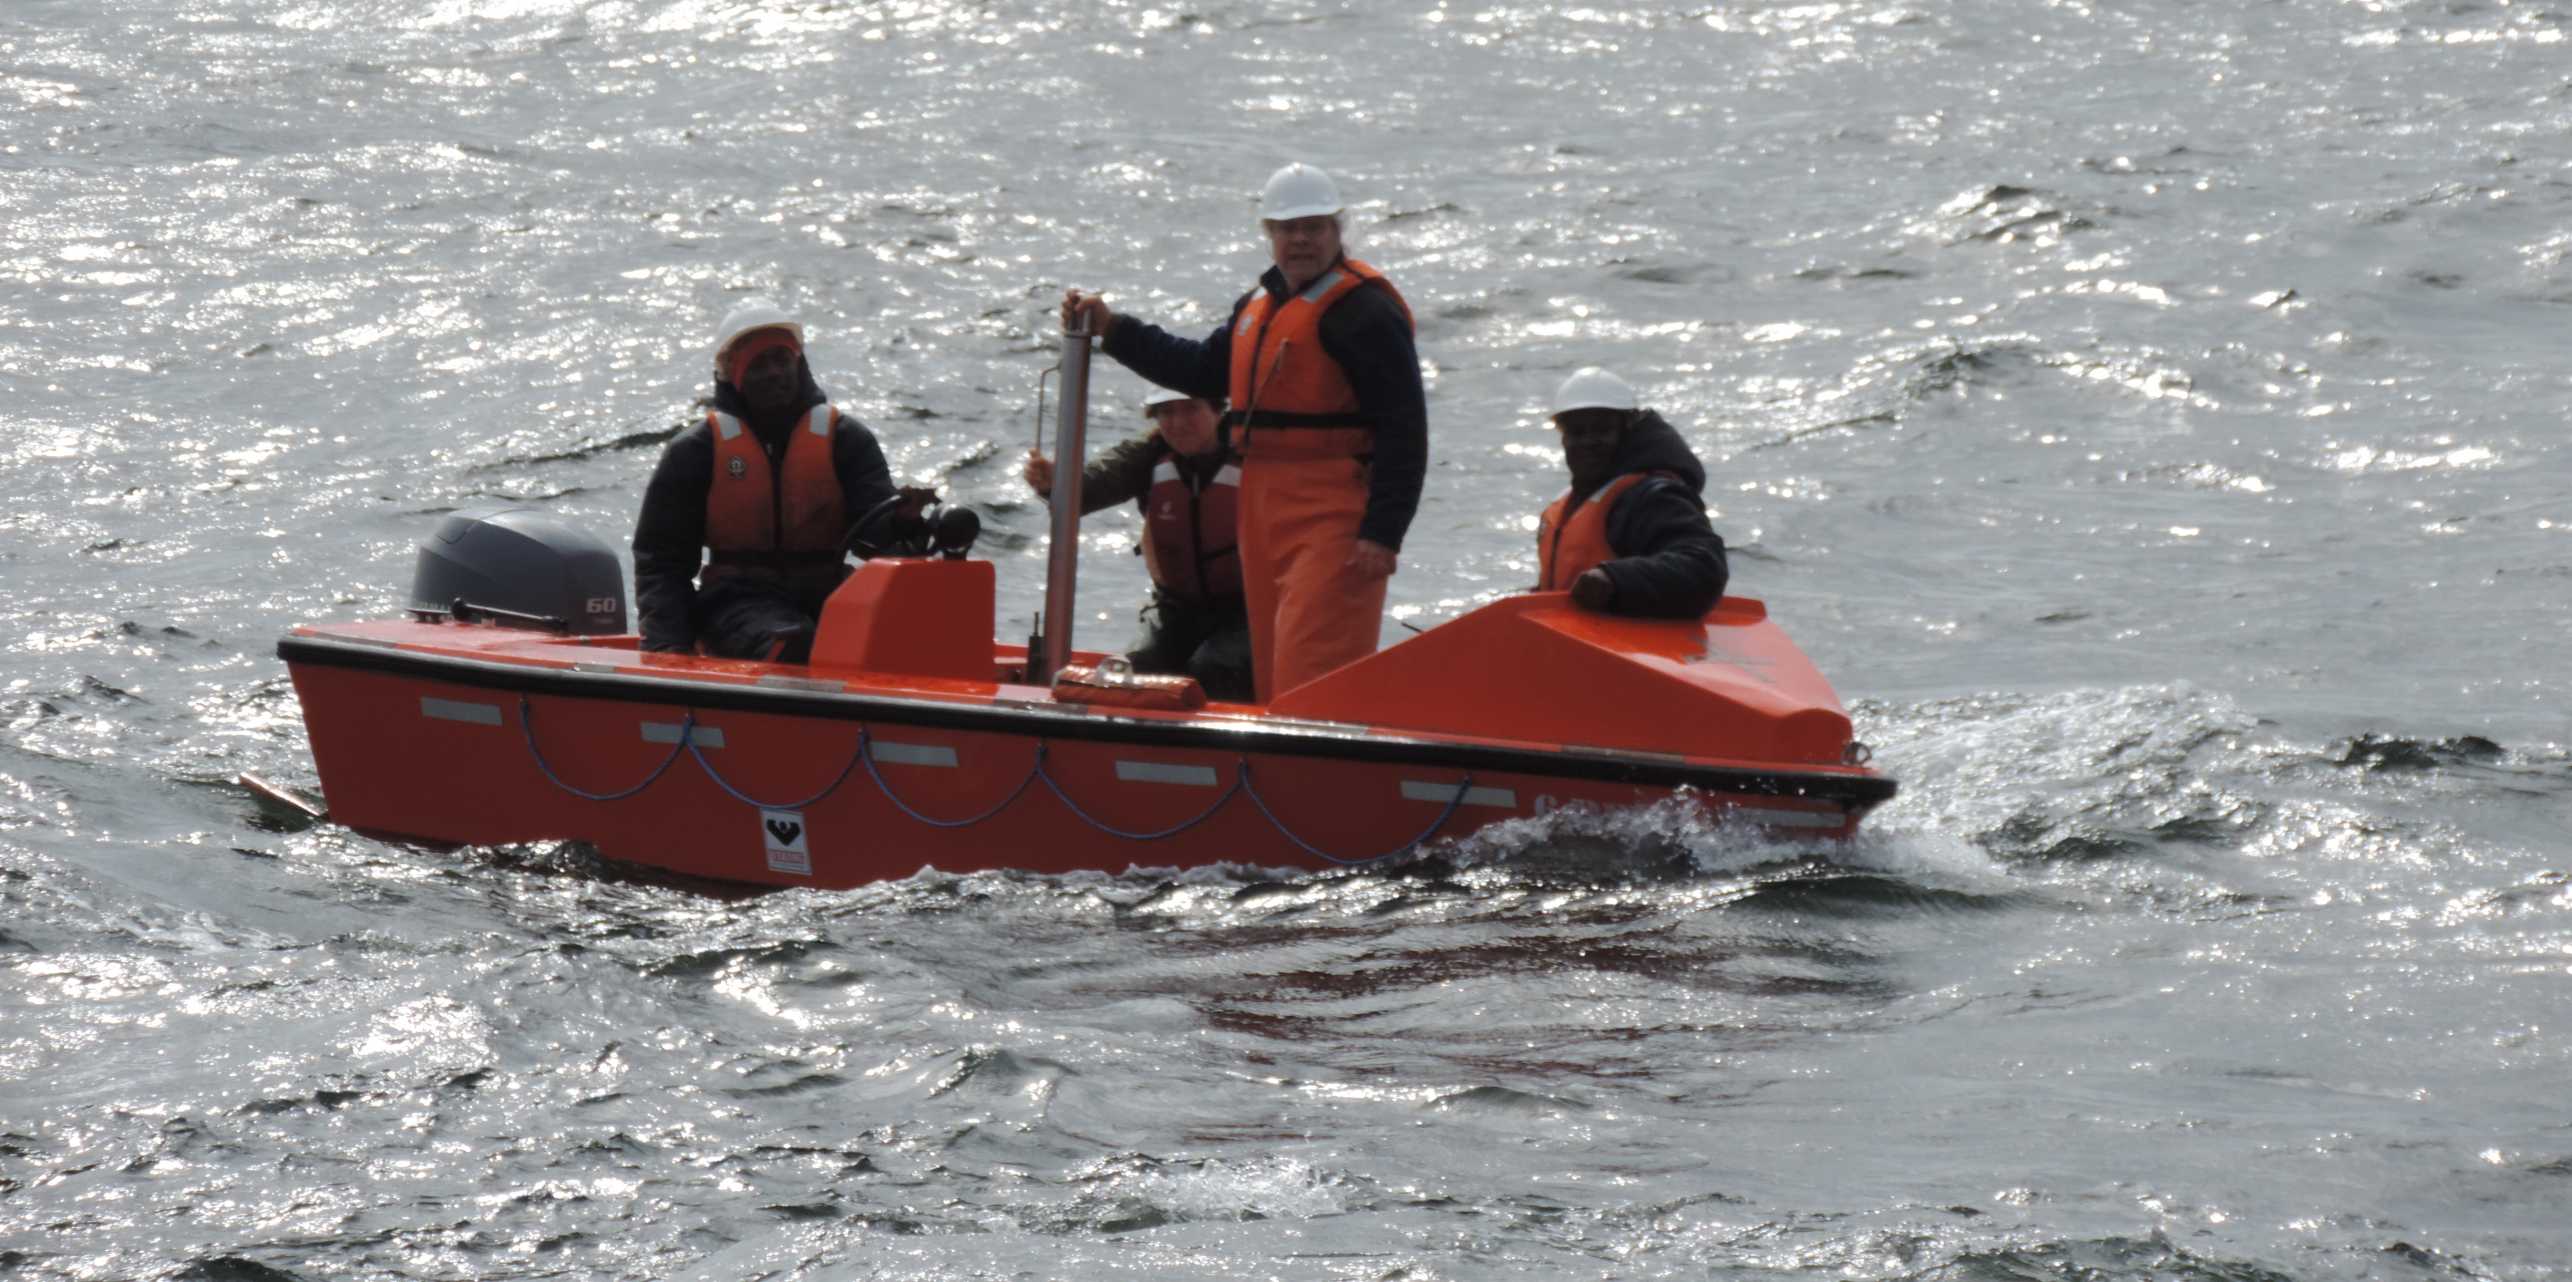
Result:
[[1298, 191], [1592, 388], [1161, 396], [753, 314]]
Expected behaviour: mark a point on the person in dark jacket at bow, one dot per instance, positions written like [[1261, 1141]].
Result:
[[759, 496], [1328, 415], [1188, 488], [1630, 536]]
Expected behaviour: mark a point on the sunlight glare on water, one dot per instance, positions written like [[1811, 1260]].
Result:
[[2148, 416]]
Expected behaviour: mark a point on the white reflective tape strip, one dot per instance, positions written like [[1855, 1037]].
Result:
[[1228, 474], [802, 683], [1320, 287], [819, 421], [668, 732], [1165, 470], [472, 714], [915, 754], [725, 425], [1442, 793], [1163, 772], [1776, 818]]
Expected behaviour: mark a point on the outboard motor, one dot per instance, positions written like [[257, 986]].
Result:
[[519, 566]]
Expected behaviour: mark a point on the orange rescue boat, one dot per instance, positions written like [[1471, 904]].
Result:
[[513, 705], [912, 739]]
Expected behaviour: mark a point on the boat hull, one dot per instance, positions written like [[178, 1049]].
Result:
[[460, 734]]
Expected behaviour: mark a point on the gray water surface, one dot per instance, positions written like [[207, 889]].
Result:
[[2151, 416]]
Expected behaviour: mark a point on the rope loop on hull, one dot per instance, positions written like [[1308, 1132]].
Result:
[[527, 727], [866, 753], [748, 800], [1241, 771], [1453, 804]]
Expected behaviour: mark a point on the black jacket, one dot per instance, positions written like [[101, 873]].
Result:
[[1669, 560], [1367, 333], [669, 534]]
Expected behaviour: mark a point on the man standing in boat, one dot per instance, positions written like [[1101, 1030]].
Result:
[[1329, 419], [1630, 536], [765, 487], [1188, 487]]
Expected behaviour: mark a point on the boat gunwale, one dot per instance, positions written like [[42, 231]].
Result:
[[1855, 787]]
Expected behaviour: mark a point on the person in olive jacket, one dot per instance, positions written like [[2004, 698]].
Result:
[[1188, 489]]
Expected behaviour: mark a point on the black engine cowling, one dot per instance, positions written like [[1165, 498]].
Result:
[[519, 565]]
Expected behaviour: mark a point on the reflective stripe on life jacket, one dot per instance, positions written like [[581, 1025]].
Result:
[[1565, 549], [1191, 534], [761, 517], [1288, 396]]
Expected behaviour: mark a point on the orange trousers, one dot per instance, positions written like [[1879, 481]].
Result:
[[1309, 612]]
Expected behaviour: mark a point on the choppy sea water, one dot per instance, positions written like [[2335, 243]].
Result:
[[2150, 415]]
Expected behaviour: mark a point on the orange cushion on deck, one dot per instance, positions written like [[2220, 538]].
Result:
[[1080, 683]]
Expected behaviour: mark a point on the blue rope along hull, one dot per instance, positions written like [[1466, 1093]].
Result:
[[864, 755], [1241, 771], [1454, 803], [748, 800], [527, 727]]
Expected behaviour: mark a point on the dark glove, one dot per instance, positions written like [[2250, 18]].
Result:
[[906, 522], [1594, 590]]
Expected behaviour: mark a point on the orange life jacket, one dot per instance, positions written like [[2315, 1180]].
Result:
[[1289, 398], [1566, 548], [1191, 533], [784, 521]]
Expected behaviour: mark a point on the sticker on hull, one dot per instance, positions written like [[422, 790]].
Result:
[[788, 841]]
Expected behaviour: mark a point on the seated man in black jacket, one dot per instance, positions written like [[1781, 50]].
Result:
[[767, 484], [1188, 488], [1630, 536]]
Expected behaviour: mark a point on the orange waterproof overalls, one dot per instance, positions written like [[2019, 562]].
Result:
[[1303, 445]]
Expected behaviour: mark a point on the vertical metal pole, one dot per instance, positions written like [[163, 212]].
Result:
[[1063, 550]]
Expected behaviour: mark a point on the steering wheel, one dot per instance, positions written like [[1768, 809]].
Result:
[[875, 533]]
